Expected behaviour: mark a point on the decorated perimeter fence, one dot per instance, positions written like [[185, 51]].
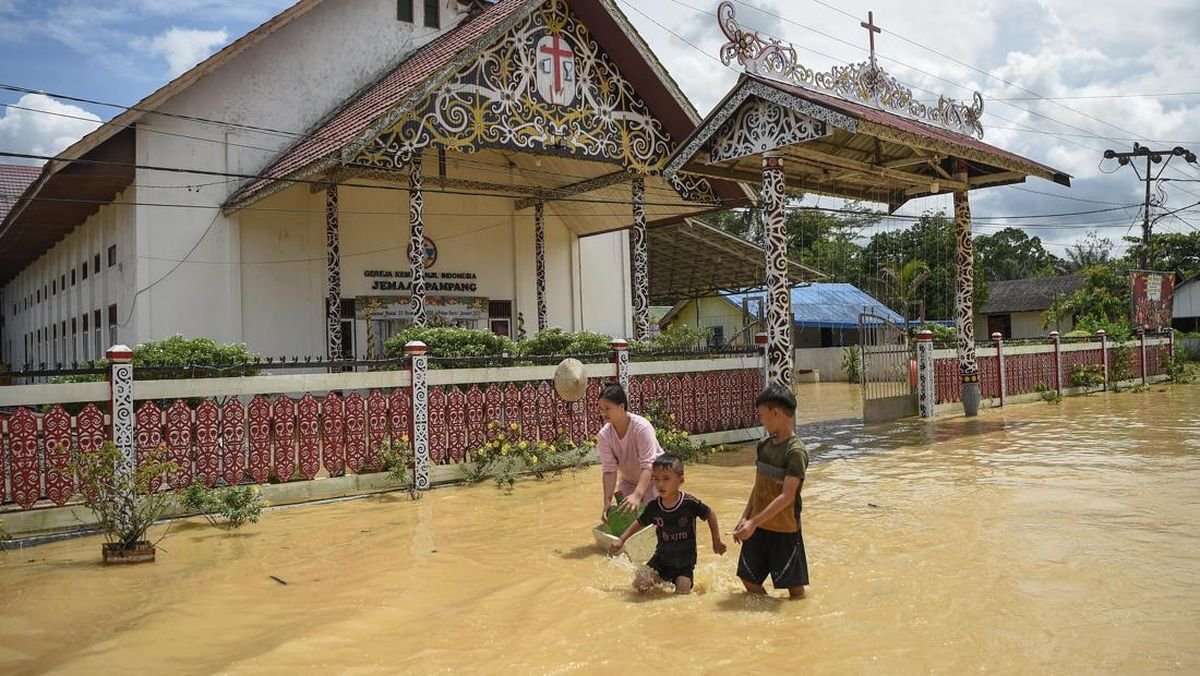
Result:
[[1052, 364], [300, 427]]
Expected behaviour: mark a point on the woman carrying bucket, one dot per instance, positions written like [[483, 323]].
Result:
[[627, 446]]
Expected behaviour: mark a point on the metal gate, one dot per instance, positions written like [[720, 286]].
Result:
[[888, 370]]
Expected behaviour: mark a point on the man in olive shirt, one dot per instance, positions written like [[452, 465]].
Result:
[[769, 530]]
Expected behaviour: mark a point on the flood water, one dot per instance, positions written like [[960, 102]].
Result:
[[1038, 539]]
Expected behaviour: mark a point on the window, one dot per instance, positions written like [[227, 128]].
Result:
[[87, 346], [54, 287], [500, 317], [63, 284], [112, 324], [404, 10], [96, 333], [96, 263], [347, 310], [716, 337], [1001, 324], [72, 276], [431, 14], [74, 340], [112, 255], [83, 270]]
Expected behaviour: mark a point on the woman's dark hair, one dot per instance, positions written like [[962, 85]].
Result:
[[614, 393], [777, 396]]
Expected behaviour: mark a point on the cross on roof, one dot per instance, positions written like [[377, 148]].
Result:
[[872, 29]]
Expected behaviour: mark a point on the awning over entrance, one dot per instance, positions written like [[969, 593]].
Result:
[[693, 259], [862, 136], [837, 147]]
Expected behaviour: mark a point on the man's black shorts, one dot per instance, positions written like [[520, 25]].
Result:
[[781, 555], [668, 570]]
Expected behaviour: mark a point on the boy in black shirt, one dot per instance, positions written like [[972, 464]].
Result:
[[674, 515]]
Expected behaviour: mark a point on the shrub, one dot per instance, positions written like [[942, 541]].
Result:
[[1177, 368], [555, 341], [230, 508], [507, 453], [674, 441], [1120, 367], [852, 363], [942, 334], [396, 457], [177, 353], [679, 338], [123, 502], [1049, 396], [1087, 376], [450, 342]]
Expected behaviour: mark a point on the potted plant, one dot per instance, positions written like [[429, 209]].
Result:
[[122, 501]]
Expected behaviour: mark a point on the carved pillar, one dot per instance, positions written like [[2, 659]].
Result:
[[926, 391], [964, 305], [418, 363], [539, 235], [620, 358], [333, 286], [641, 262], [416, 244], [120, 388], [1001, 376], [779, 300]]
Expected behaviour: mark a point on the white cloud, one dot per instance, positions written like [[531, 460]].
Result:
[[183, 47], [1064, 48], [48, 132]]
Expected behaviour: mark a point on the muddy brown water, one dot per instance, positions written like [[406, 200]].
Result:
[[1037, 539]]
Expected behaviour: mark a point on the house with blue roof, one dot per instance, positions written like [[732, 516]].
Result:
[[825, 316]]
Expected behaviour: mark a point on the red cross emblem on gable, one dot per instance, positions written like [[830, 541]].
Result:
[[556, 81]]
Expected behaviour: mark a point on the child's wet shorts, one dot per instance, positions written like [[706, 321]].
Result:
[[780, 555], [668, 571]]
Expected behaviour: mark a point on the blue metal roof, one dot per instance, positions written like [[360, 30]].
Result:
[[832, 305]]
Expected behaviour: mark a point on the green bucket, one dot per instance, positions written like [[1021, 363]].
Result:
[[618, 520]]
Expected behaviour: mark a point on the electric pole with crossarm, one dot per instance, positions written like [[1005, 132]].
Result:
[[1152, 157]]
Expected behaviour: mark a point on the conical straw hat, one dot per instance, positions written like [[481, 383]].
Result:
[[569, 380]]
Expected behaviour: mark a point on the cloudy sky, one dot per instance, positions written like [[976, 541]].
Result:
[[1062, 79]]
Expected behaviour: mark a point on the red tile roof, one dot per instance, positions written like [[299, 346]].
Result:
[[14, 179], [330, 136], [883, 118]]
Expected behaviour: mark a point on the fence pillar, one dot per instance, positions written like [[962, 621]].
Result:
[[1171, 344], [1001, 377], [926, 394], [620, 357], [418, 363], [120, 393], [1103, 336], [760, 341], [1141, 333], [1054, 336]]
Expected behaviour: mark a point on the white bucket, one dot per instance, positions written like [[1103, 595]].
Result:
[[639, 548]]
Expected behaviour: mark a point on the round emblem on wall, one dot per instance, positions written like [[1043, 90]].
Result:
[[555, 70], [429, 254]]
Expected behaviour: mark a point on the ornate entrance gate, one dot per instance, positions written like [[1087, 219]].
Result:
[[888, 387]]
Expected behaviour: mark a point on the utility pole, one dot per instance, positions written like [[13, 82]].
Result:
[[1155, 157]]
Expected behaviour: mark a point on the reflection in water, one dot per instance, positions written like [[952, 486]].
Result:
[[1034, 539]]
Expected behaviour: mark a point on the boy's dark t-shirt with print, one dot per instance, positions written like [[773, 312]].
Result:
[[676, 529]]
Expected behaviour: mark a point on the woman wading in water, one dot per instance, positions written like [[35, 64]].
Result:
[[627, 447]]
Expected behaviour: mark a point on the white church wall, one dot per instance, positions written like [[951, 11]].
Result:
[[606, 298], [287, 82], [111, 225]]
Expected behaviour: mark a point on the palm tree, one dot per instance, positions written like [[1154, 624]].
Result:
[[905, 280]]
